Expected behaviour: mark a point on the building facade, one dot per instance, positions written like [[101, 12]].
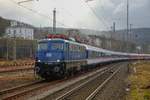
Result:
[[20, 30]]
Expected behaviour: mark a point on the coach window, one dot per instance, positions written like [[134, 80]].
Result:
[[100, 54], [103, 54]]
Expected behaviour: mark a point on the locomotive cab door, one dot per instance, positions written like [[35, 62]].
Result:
[[66, 52]]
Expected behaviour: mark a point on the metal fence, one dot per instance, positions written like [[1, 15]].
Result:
[[23, 48]]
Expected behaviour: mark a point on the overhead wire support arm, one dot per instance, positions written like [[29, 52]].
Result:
[[25, 1]]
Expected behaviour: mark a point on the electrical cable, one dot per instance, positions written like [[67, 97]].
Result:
[[36, 12], [101, 20]]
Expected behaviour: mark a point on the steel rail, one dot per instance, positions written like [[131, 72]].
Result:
[[62, 97], [18, 87], [31, 89], [93, 94]]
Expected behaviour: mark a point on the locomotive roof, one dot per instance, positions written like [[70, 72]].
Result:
[[51, 40], [57, 39]]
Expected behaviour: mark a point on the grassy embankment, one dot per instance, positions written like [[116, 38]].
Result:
[[140, 81]]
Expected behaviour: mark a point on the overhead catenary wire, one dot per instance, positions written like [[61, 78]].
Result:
[[36, 12], [70, 14], [101, 20], [102, 7]]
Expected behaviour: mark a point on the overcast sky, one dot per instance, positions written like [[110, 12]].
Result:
[[77, 14]]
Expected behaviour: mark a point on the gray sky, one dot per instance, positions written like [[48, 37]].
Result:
[[77, 14]]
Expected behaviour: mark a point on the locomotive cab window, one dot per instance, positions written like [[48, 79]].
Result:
[[57, 46], [42, 46]]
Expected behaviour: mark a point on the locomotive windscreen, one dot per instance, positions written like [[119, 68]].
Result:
[[57, 46], [42, 46]]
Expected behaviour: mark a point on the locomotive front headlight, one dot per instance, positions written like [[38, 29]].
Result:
[[39, 60], [58, 60]]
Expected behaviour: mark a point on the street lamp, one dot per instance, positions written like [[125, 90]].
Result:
[[25, 1]]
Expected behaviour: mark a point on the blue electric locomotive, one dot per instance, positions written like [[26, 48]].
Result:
[[58, 57]]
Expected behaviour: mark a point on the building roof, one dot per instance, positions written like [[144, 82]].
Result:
[[20, 27]]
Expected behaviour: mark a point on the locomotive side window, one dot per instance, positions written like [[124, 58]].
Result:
[[70, 47], [65, 47], [43, 46], [56, 46]]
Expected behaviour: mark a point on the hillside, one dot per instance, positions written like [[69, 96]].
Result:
[[137, 35]]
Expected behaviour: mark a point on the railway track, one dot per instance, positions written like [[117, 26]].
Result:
[[73, 91], [84, 90], [20, 91], [100, 87], [32, 88], [2, 92]]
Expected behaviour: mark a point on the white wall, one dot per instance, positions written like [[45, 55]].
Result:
[[26, 33]]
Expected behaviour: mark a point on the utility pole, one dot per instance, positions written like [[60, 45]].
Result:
[[127, 25], [54, 21], [114, 27], [7, 49], [112, 32], [131, 27], [14, 48], [130, 32]]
